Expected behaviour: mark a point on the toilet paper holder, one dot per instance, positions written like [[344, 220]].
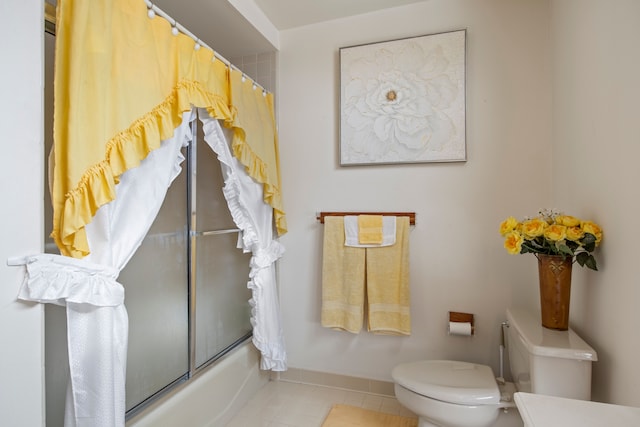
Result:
[[458, 317]]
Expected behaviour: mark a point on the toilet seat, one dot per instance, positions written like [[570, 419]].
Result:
[[449, 381]]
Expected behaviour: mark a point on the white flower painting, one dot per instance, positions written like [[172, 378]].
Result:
[[403, 101]]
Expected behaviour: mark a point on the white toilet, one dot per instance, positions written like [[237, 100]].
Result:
[[447, 393]]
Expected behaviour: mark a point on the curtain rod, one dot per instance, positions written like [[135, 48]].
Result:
[[176, 26], [320, 216], [50, 27]]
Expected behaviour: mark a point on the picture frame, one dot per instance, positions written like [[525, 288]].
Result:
[[404, 100]]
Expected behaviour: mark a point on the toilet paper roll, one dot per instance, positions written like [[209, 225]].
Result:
[[460, 328]]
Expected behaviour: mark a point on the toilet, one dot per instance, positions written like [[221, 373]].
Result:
[[449, 393]]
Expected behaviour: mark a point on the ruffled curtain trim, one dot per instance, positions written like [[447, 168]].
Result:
[[59, 279], [274, 356], [273, 353], [123, 152], [264, 257], [257, 169], [231, 190]]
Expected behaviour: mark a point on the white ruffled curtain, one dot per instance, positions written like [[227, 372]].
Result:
[[97, 322], [255, 218]]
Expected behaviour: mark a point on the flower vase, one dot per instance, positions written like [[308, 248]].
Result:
[[555, 290]]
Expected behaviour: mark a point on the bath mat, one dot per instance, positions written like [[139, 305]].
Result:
[[351, 416]]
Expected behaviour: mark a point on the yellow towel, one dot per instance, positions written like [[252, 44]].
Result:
[[342, 280], [388, 284], [370, 229]]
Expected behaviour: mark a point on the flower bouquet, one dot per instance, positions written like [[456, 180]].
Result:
[[553, 233]]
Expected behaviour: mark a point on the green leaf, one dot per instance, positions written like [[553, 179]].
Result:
[[573, 245], [586, 260], [533, 245], [582, 258], [528, 247], [563, 249], [591, 263], [588, 239]]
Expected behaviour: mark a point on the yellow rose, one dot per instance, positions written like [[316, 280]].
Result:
[[592, 228], [513, 242], [568, 220], [555, 232], [534, 227], [575, 233], [508, 225]]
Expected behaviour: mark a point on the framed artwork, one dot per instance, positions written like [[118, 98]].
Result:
[[403, 101]]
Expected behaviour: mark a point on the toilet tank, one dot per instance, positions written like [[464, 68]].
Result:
[[545, 361]]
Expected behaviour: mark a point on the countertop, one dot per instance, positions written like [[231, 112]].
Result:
[[539, 410]]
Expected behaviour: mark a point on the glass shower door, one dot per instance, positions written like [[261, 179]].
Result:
[[157, 301], [221, 269]]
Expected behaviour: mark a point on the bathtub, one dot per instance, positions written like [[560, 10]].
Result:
[[212, 397]]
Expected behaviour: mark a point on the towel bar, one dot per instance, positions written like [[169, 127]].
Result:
[[412, 215]]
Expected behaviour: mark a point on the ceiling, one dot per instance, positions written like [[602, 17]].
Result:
[[286, 14], [221, 26]]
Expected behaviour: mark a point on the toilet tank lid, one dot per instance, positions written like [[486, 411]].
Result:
[[450, 381], [546, 342]]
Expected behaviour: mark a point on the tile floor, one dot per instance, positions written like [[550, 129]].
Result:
[[287, 404]]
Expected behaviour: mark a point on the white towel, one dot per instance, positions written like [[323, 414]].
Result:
[[351, 232]]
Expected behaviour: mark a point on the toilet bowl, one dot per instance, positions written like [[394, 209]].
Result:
[[448, 393]]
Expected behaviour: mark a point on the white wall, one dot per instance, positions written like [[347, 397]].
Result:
[[21, 183], [596, 65], [457, 259]]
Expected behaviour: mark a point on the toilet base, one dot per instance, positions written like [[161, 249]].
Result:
[[509, 418], [506, 418], [434, 413], [424, 423]]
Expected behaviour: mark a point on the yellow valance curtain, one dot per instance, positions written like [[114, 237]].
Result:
[[122, 81], [253, 114]]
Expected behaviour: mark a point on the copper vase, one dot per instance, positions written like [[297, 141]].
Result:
[[555, 290]]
